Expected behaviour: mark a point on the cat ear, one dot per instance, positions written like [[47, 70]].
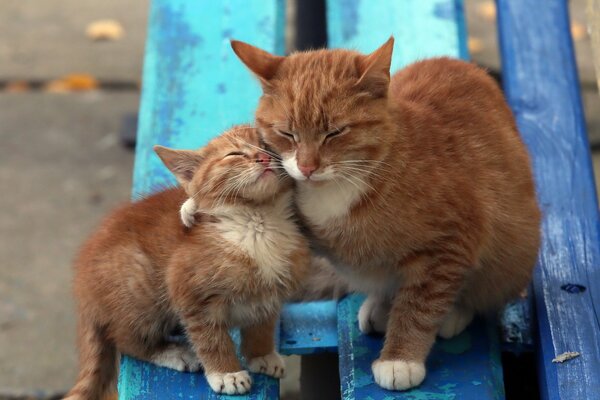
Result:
[[182, 163], [263, 64], [375, 69]]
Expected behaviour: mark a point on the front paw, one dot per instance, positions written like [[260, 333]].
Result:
[[187, 211], [398, 374], [177, 357], [373, 315], [272, 364], [230, 382]]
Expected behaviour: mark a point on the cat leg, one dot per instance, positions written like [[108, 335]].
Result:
[[216, 352], [455, 321], [430, 289], [373, 314], [258, 346]]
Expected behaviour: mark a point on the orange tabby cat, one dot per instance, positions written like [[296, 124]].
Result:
[[142, 272], [418, 185]]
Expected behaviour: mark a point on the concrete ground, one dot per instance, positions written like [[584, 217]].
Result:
[[62, 166]]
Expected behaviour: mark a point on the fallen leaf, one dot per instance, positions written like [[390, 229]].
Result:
[[487, 10], [578, 31], [72, 83], [17, 87], [105, 29], [475, 45], [566, 356]]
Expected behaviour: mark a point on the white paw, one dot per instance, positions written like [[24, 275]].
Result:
[[230, 382], [398, 374], [177, 357], [187, 211], [373, 315], [272, 364], [455, 322]]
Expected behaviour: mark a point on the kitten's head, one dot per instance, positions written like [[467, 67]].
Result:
[[323, 111], [231, 168]]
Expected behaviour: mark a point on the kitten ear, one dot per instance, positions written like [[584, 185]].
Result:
[[375, 69], [263, 64], [182, 163]]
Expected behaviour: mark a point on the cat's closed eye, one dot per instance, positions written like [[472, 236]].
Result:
[[236, 153], [287, 135], [336, 132]]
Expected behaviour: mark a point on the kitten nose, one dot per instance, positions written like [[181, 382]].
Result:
[[263, 158], [307, 170]]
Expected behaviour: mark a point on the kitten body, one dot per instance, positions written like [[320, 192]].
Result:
[[418, 186], [142, 273]]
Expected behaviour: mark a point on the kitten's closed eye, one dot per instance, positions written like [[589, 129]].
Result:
[[336, 132]]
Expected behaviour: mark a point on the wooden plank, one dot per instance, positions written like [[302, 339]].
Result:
[[194, 87], [308, 328], [541, 83], [422, 29], [465, 367], [141, 380]]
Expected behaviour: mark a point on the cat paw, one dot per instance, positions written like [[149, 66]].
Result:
[[180, 358], [187, 211], [272, 364], [398, 374], [455, 322], [230, 382], [373, 316]]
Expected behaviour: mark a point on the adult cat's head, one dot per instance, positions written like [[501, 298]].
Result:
[[324, 111], [231, 168]]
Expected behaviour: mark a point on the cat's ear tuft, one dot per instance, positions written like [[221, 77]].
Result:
[[264, 65], [375, 69], [182, 163]]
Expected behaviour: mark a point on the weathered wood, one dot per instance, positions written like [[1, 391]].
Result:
[[422, 29], [542, 87], [194, 87], [308, 328]]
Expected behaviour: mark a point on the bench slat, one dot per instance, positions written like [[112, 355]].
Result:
[[465, 367], [422, 29], [194, 87], [542, 86], [308, 328]]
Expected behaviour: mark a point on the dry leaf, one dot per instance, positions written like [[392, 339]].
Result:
[[71, 83], [475, 45], [105, 29], [487, 10], [17, 87], [578, 31], [566, 356]]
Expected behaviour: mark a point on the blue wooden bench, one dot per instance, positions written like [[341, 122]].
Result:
[[194, 87]]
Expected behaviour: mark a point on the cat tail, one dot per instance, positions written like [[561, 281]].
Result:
[[323, 282], [98, 367]]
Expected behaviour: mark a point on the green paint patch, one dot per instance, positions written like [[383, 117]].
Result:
[[457, 345], [476, 383]]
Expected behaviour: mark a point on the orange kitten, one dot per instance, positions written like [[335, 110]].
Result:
[[418, 185], [142, 273]]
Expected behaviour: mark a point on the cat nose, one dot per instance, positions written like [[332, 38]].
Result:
[[263, 158], [307, 170]]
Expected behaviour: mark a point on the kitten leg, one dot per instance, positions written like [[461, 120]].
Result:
[[216, 352], [258, 346], [187, 211], [455, 321], [431, 287], [373, 314]]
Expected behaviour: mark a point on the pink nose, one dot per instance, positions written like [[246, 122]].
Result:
[[307, 170], [263, 158]]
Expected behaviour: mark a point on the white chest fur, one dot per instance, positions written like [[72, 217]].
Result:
[[321, 203], [267, 234]]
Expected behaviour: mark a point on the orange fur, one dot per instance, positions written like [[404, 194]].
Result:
[[141, 273], [419, 186]]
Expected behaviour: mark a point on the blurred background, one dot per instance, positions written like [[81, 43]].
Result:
[[70, 75]]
